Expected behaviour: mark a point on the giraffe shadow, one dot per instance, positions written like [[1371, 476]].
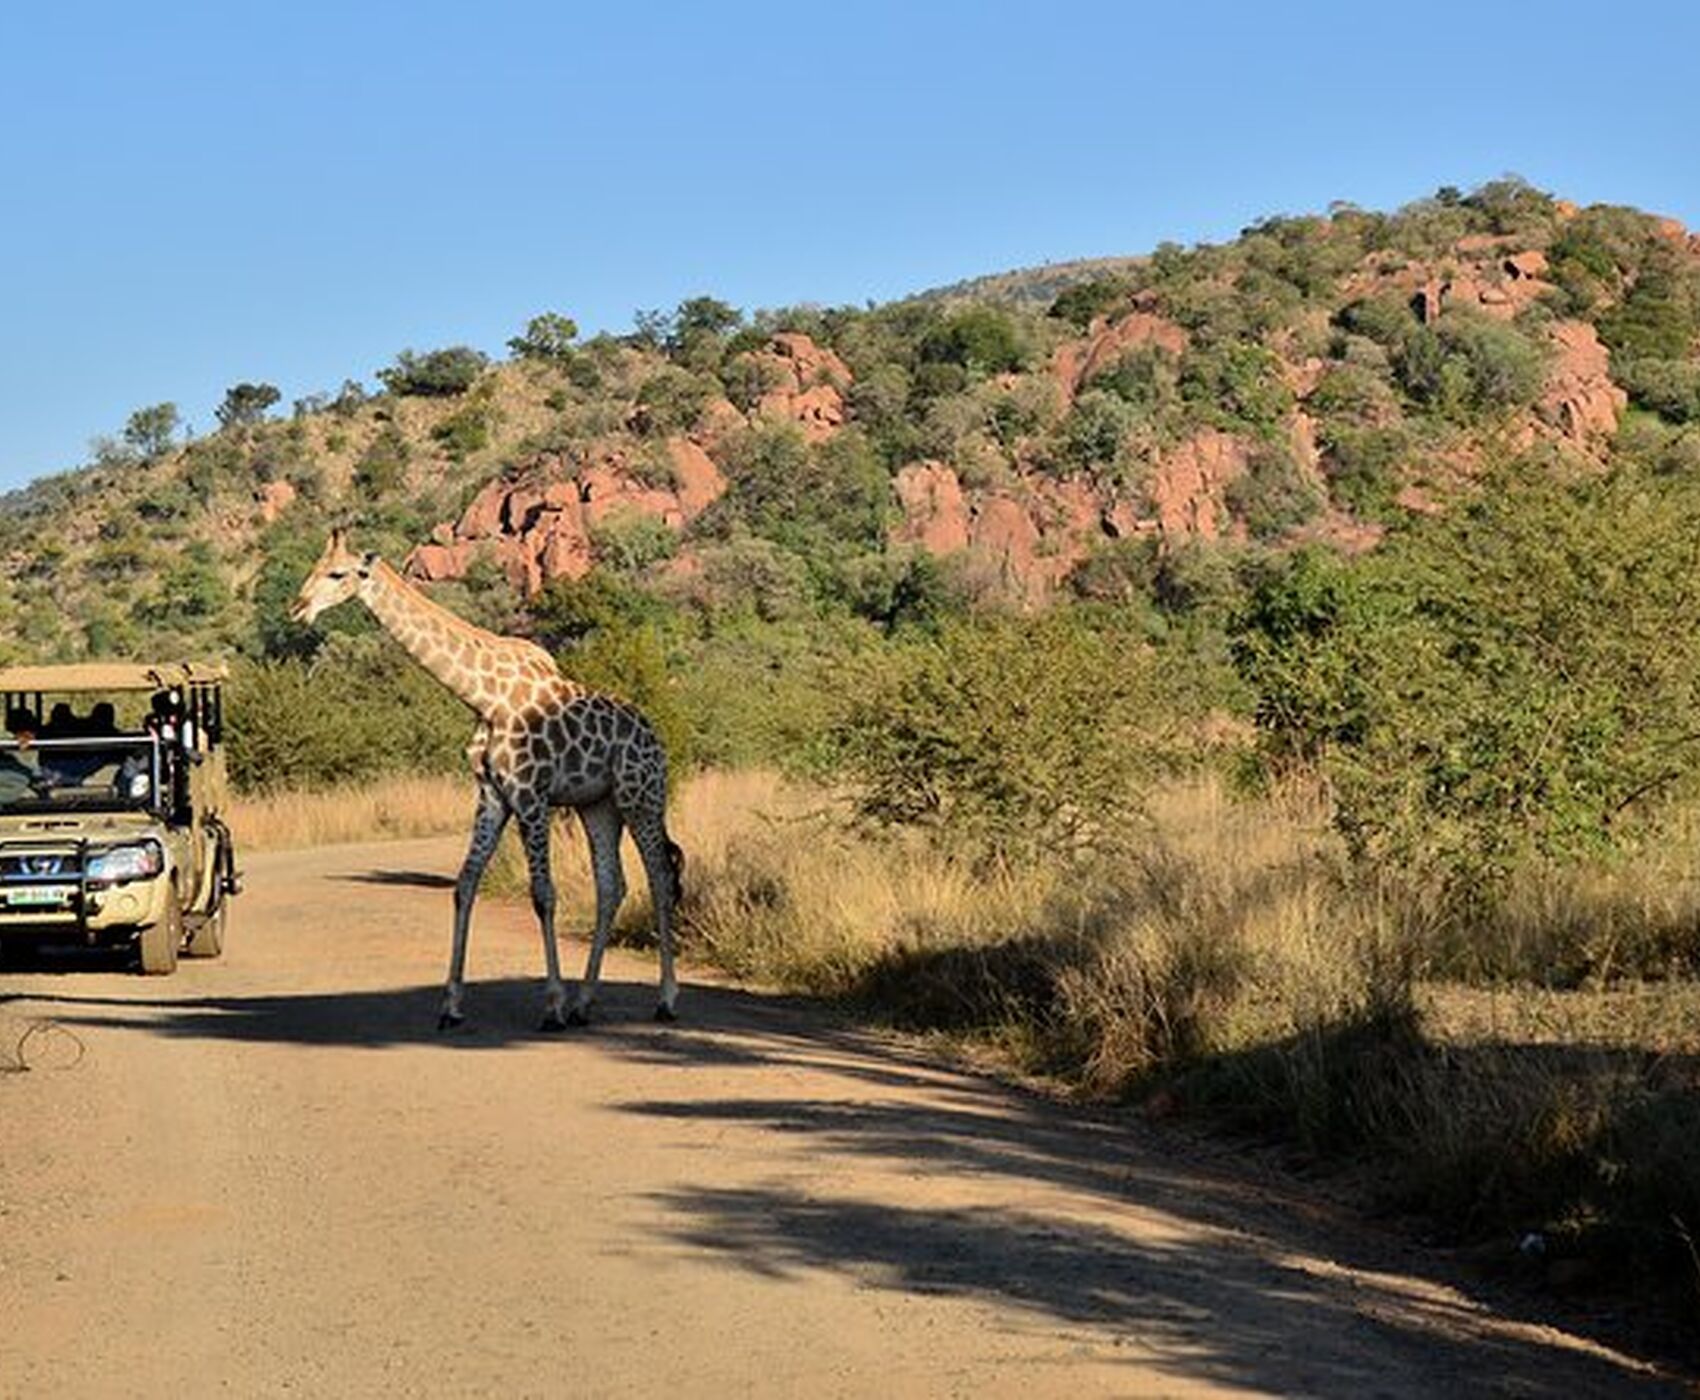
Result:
[[501, 1011], [410, 879]]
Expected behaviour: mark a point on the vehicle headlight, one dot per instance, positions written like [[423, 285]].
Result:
[[121, 863]]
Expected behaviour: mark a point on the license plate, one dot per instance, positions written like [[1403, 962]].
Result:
[[40, 896]]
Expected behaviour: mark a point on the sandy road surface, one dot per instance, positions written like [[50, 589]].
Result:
[[269, 1175]]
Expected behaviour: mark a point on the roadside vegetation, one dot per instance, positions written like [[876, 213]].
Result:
[[1385, 853]]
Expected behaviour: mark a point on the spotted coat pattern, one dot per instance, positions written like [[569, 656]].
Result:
[[542, 742]]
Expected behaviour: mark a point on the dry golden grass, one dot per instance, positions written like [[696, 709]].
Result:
[[387, 809], [1226, 960]]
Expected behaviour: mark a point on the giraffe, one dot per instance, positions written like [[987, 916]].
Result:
[[542, 742]]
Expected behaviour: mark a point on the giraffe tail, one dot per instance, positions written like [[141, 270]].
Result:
[[676, 859]]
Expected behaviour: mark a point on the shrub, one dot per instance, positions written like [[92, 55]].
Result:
[[1005, 737], [464, 432], [1273, 496], [151, 430], [1080, 304], [548, 337], [245, 404], [383, 464], [434, 374], [981, 339], [1670, 388]]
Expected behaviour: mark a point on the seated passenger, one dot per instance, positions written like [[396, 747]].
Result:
[[18, 777]]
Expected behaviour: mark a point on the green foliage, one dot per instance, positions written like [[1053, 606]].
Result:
[[1006, 738], [1235, 385], [1298, 643], [383, 464], [1083, 302], [192, 593], [1468, 366], [671, 400], [980, 339], [1670, 388], [436, 373], [1097, 426], [1273, 496], [817, 498], [365, 708], [246, 404], [1659, 317], [1508, 681], [151, 431], [548, 337], [629, 542], [464, 432]]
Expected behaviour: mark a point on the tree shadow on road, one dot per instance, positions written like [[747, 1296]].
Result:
[[1081, 1224]]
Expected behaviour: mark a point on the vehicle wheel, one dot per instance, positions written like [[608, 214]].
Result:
[[206, 935], [160, 942]]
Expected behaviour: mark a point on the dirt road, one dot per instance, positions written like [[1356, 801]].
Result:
[[270, 1175]]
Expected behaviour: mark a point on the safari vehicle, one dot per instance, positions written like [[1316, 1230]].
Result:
[[112, 804]]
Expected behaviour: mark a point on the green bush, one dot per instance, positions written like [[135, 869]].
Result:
[[1080, 304], [980, 339], [548, 337], [1273, 496], [1006, 738], [364, 708], [434, 374]]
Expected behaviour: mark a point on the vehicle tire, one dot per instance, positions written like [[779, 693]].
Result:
[[206, 934], [160, 941]]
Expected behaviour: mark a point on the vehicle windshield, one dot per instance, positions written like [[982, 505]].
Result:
[[113, 773]]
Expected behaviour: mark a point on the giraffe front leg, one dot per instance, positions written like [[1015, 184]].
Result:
[[534, 830], [487, 824]]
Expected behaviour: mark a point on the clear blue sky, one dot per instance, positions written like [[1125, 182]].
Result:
[[194, 195]]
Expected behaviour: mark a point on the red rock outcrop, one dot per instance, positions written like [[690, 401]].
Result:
[[808, 384], [1580, 399], [538, 528], [935, 513], [1187, 487], [273, 499], [1076, 361]]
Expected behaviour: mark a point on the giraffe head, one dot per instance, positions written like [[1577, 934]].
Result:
[[336, 578]]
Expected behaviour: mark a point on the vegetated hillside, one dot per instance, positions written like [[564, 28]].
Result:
[[1315, 379]]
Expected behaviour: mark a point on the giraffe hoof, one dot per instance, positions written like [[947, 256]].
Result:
[[576, 1017], [553, 1020], [449, 1020], [666, 1014]]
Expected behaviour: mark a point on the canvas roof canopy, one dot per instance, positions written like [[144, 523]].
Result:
[[109, 676]]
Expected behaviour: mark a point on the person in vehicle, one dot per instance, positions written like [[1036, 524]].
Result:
[[18, 778]]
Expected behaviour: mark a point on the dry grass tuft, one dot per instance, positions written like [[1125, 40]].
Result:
[[389, 808]]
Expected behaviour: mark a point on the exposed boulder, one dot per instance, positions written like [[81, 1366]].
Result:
[[273, 499], [935, 513], [1187, 487], [807, 384], [1580, 399]]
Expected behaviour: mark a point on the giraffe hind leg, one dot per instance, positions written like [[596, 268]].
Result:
[[602, 826], [534, 819], [663, 863]]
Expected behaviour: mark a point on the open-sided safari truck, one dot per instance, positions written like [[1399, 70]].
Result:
[[112, 804]]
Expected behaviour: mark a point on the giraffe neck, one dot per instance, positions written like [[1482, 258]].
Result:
[[463, 657]]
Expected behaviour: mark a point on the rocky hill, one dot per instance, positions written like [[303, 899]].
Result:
[[1007, 441]]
